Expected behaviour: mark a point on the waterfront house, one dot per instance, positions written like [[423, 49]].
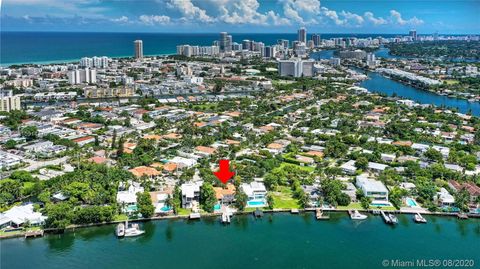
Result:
[[256, 193], [159, 199], [226, 195], [470, 187], [444, 198], [372, 188], [127, 197], [190, 193], [19, 215]]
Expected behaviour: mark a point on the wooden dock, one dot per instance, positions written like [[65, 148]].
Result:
[[33, 234], [194, 216], [320, 216]]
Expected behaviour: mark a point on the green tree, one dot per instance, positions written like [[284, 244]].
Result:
[[29, 132], [207, 197], [361, 163], [270, 201], [144, 204], [10, 144], [240, 199], [365, 202]]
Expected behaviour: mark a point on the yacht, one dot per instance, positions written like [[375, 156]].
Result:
[[124, 230], [355, 215], [419, 218]]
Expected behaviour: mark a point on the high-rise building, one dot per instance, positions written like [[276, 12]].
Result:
[[225, 42], [86, 75], [413, 34], [99, 62], [247, 44], [371, 61], [302, 35], [8, 101], [138, 49], [268, 52], [316, 40], [284, 43], [295, 68]]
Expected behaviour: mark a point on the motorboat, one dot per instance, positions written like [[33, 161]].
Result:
[[355, 215], [419, 218], [393, 219], [126, 230]]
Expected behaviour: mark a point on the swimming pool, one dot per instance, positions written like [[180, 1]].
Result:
[[131, 208], [217, 207], [410, 202], [256, 203], [165, 208]]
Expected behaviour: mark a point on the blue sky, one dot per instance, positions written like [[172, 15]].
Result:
[[333, 16]]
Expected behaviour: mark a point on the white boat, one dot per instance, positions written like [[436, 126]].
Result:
[[355, 215], [393, 219], [120, 231], [129, 231], [419, 218]]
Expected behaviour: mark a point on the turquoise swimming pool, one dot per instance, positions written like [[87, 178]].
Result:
[[256, 203], [165, 208], [410, 202], [217, 207]]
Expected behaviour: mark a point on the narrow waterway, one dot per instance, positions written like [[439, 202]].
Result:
[[275, 241], [380, 84]]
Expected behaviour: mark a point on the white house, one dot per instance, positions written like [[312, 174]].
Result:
[[349, 167], [19, 215], [256, 193], [372, 188], [444, 198], [128, 197], [190, 193]]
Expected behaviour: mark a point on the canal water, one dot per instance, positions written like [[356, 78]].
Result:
[[276, 241], [380, 84]]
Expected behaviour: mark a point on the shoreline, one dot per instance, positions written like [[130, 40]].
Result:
[[209, 215]]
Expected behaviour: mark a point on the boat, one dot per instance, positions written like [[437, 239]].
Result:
[[462, 216], [393, 219], [120, 231], [126, 230], [386, 217], [355, 215], [225, 218], [419, 218], [294, 211]]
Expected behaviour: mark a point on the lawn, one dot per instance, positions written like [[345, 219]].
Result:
[[305, 168], [358, 206], [120, 217], [283, 199], [183, 211]]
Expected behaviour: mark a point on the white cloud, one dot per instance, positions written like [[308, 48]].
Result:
[[396, 17], [154, 19], [190, 11], [371, 18], [352, 17], [301, 11], [122, 19]]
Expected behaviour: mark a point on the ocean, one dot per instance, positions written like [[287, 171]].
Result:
[[54, 47]]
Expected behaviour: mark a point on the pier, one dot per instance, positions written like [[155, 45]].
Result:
[[33, 234]]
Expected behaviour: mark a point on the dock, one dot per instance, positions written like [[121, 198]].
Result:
[[320, 216], [294, 211], [462, 216], [194, 216], [258, 213], [33, 234], [386, 218]]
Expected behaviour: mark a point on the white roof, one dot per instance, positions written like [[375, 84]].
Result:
[[254, 186], [189, 189], [370, 184], [21, 214], [377, 166]]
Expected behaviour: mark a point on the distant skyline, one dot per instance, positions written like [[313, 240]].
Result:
[[243, 16]]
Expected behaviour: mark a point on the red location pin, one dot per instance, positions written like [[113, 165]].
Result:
[[224, 173]]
